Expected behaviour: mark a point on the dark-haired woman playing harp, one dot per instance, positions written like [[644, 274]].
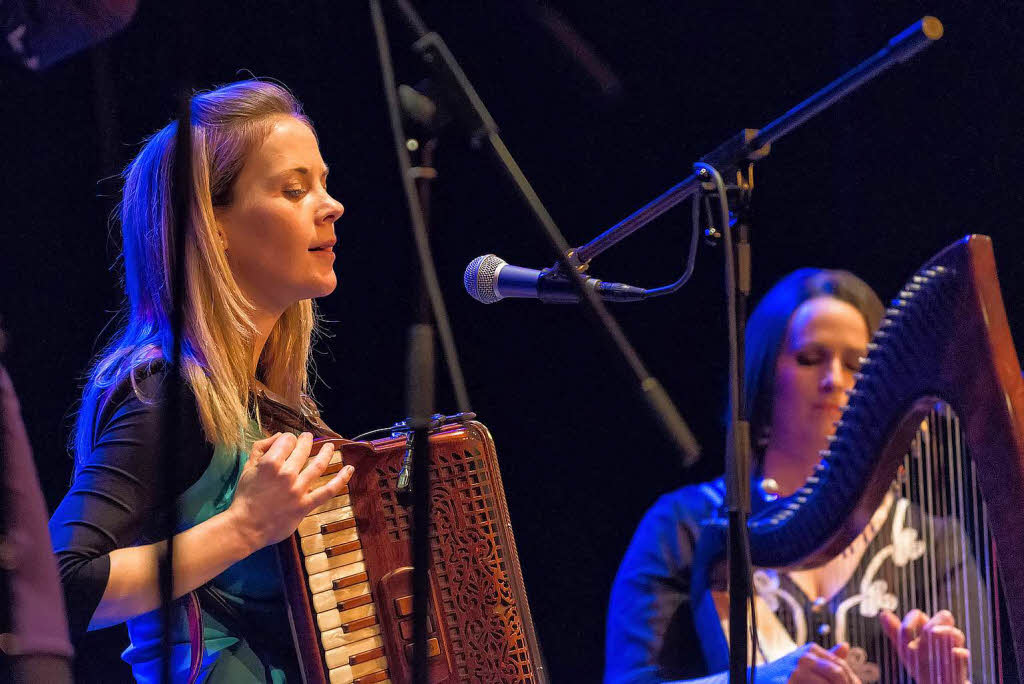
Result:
[[804, 344]]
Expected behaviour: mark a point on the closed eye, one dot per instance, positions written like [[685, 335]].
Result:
[[809, 358]]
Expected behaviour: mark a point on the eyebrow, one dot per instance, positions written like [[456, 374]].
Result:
[[304, 171]]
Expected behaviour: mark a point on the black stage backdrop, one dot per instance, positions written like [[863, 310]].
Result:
[[922, 156]]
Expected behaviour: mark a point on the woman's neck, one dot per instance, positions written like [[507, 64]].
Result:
[[265, 322], [789, 469]]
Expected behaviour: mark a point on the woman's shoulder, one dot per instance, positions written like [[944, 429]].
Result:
[[671, 526], [692, 503], [137, 401], [139, 387]]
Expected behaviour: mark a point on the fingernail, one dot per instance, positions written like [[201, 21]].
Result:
[[350, 469]]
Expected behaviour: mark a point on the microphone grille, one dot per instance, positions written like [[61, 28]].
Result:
[[479, 278]]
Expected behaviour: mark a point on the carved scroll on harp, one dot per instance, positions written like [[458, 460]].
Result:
[[944, 356], [348, 578]]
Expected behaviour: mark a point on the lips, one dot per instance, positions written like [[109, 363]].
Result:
[[325, 246]]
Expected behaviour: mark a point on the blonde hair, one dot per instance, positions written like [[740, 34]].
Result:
[[218, 337]]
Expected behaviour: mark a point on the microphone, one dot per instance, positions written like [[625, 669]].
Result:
[[489, 278]]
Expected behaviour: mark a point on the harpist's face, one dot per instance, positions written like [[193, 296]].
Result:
[[814, 371], [279, 228]]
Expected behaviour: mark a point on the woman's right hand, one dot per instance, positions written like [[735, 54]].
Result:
[[810, 664], [275, 490], [817, 665]]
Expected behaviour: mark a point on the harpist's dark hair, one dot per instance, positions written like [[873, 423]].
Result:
[[767, 327]]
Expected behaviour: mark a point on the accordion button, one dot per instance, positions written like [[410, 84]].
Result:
[[403, 606]]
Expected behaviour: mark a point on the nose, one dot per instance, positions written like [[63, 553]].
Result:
[[332, 209], [835, 377]]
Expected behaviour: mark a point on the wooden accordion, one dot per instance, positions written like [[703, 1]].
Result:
[[348, 574], [935, 423]]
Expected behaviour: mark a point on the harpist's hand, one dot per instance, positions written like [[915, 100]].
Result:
[[815, 665], [274, 490], [932, 650]]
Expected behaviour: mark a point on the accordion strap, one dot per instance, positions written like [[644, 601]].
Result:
[[195, 636]]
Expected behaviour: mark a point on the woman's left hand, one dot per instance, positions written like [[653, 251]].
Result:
[[932, 649]]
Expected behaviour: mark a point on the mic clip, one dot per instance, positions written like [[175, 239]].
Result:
[[403, 428], [554, 287]]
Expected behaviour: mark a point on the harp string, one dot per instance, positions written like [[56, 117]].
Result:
[[958, 571], [962, 541]]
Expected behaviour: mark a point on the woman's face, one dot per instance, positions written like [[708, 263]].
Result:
[[814, 371], [278, 231]]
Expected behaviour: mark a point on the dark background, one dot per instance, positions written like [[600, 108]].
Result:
[[910, 163]]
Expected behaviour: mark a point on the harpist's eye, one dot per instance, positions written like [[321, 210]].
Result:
[[809, 358]]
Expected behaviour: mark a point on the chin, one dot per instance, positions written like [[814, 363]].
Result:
[[324, 287]]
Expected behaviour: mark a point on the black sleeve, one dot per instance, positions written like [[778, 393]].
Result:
[[650, 635], [115, 497]]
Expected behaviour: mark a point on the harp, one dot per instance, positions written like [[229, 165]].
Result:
[[348, 576], [934, 426]]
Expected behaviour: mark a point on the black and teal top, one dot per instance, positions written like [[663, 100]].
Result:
[[114, 502]]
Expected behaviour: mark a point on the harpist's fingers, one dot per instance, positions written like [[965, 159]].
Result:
[[890, 626], [943, 617], [911, 627], [831, 671], [806, 676], [962, 658], [819, 665], [952, 634], [841, 650]]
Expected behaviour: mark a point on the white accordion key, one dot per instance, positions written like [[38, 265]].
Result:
[[342, 541], [339, 657], [338, 578], [332, 503], [350, 620], [312, 522], [349, 673], [337, 638], [320, 562], [348, 597]]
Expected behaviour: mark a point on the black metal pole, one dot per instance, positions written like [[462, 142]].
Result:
[[421, 395], [420, 371], [752, 144], [737, 459], [170, 434], [469, 109]]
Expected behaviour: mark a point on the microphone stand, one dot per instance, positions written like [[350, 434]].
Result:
[[467, 106], [170, 425], [420, 360], [746, 147]]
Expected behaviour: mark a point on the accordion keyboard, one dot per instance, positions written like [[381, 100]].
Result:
[[346, 616]]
